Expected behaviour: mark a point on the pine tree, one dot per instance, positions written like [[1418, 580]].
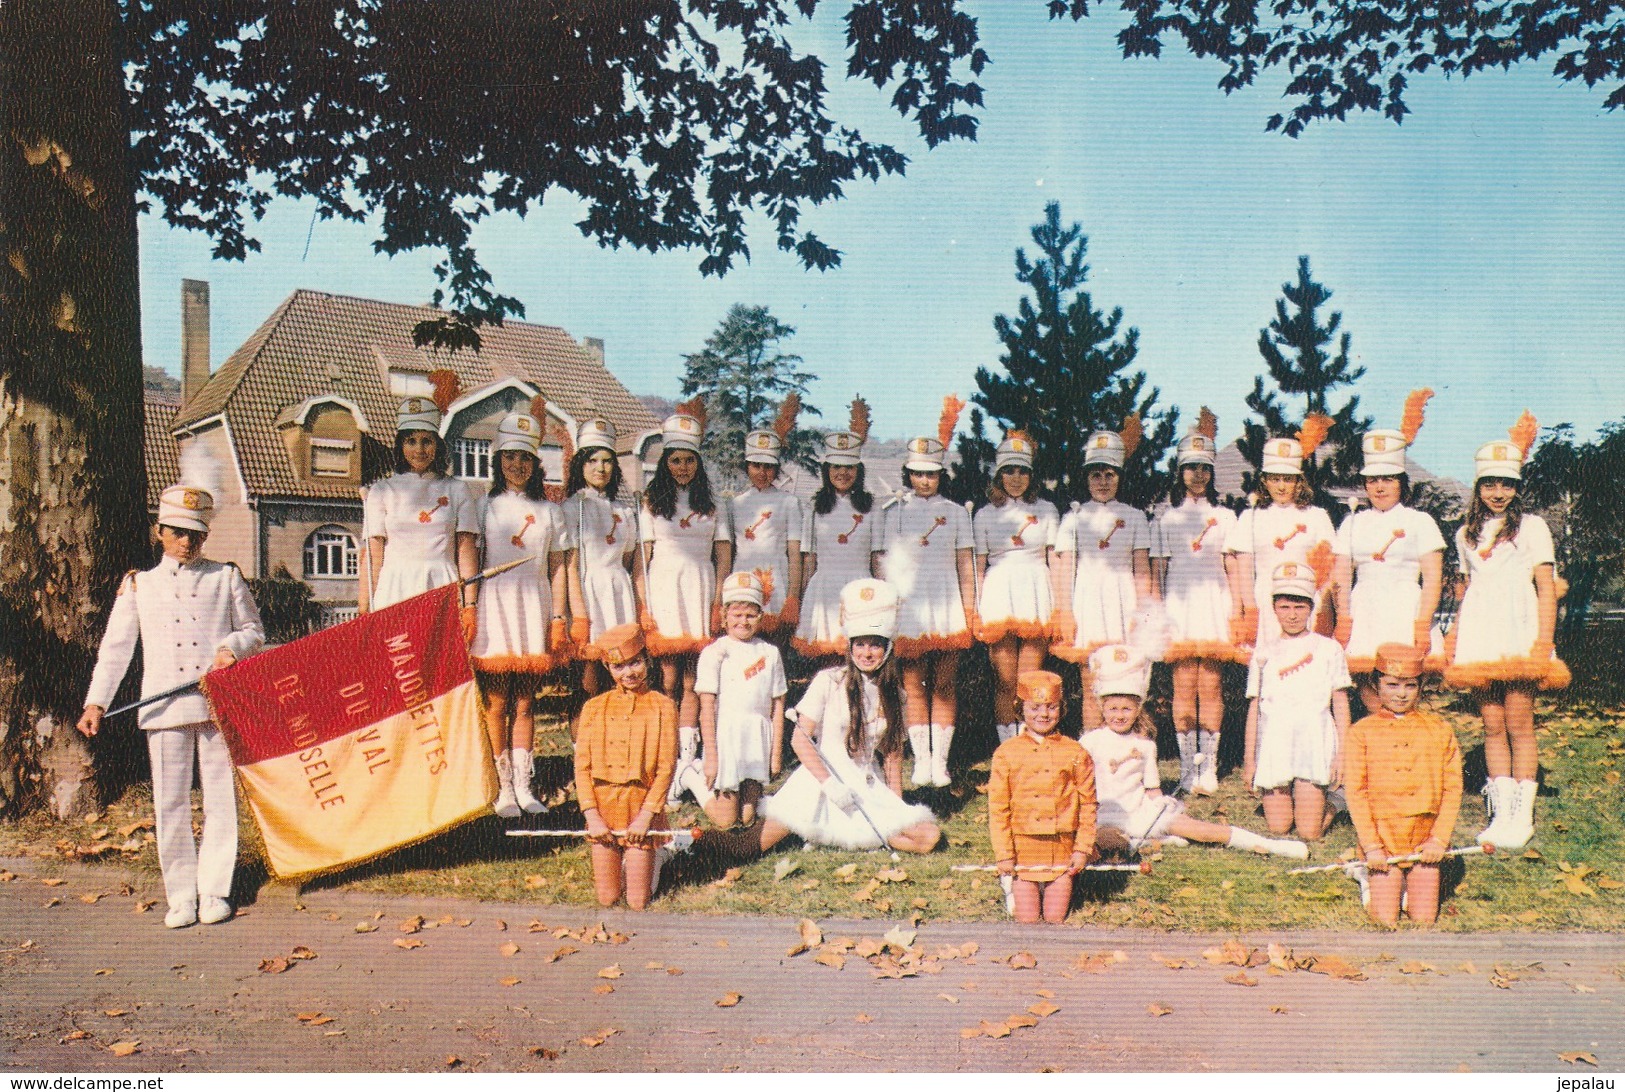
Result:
[[971, 472], [743, 378], [1298, 352], [1066, 372]]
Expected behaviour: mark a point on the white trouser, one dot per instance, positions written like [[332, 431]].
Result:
[[189, 870]]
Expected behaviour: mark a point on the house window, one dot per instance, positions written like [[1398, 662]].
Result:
[[471, 459], [409, 384], [330, 458], [331, 551]]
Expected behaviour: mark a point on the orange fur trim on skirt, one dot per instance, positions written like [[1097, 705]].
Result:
[[660, 645], [1075, 655], [1025, 629], [514, 665], [769, 623], [1222, 651], [1550, 674], [587, 652], [815, 649], [912, 648]]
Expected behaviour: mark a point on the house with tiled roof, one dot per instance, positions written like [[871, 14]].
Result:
[[302, 416]]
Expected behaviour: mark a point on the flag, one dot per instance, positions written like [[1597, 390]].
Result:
[[359, 739]]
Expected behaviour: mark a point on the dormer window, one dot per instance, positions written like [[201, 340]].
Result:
[[330, 458], [471, 459]]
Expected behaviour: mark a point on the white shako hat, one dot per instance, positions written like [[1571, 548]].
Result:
[[1016, 449], [1119, 669], [1292, 578], [518, 432], [762, 446], [1107, 449], [682, 432], [186, 507], [743, 587], [1282, 455], [595, 432], [842, 449], [1195, 449], [869, 609], [418, 414], [1384, 452], [925, 453], [1498, 459]]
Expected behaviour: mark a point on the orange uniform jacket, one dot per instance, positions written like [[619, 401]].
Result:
[[1041, 785], [1401, 767], [626, 739]]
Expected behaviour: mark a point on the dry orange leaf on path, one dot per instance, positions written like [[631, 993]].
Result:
[[78, 1033], [1416, 966], [143, 905], [1240, 978], [830, 959], [1281, 1009], [90, 900], [970, 1033], [319, 1020], [1572, 1057], [546, 1054], [864, 1018], [561, 952], [408, 943], [674, 971], [509, 950], [412, 924], [1022, 961], [1158, 1010], [1335, 967], [366, 927], [509, 981], [995, 1031], [1096, 962], [1046, 993], [1043, 1008], [1020, 1020], [129, 1047], [115, 1012], [275, 966], [452, 1061], [301, 952], [102, 970], [603, 988], [1173, 963], [611, 971], [729, 1000], [53, 882], [950, 998]]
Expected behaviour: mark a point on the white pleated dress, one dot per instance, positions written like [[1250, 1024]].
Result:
[[1016, 538], [1293, 679], [801, 804], [682, 575], [843, 542], [1197, 595], [1386, 551], [516, 607], [603, 535], [1102, 539], [921, 538], [746, 677], [1272, 536], [765, 524], [1499, 619], [419, 516]]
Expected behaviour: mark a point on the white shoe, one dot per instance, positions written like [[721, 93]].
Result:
[[181, 915], [213, 910], [1207, 777], [524, 771], [1288, 847], [1498, 802], [505, 805], [942, 737], [1009, 885], [1188, 763], [690, 777], [1360, 874], [1521, 821], [919, 738]]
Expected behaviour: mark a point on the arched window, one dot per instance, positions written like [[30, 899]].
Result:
[[331, 551]]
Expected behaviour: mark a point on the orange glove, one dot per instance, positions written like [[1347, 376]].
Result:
[[557, 634], [1422, 634], [580, 632], [1345, 629], [1064, 627], [790, 613], [471, 624]]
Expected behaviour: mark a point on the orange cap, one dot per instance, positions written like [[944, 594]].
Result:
[[1041, 686], [621, 644], [1400, 661]]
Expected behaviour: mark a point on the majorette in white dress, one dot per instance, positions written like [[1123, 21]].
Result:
[[419, 516], [920, 538], [764, 525], [603, 534], [801, 804], [1125, 768], [516, 607], [745, 676], [843, 542], [1274, 535], [1293, 679], [1386, 551], [1499, 619], [1102, 539], [682, 575], [1197, 593], [1016, 538]]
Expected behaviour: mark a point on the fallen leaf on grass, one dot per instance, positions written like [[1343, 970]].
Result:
[[729, 1000], [412, 924], [560, 953], [509, 949], [784, 867], [1528, 917], [90, 900], [891, 875], [366, 927], [277, 965], [1022, 961], [994, 1031], [1155, 1009], [1240, 978], [129, 1047], [1416, 966], [611, 971], [1578, 1056], [830, 959], [408, 943], [846, 872], [728, 877], [1609, 885], [533, 881]]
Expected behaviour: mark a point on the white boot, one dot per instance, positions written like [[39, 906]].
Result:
[[524, 768], [691, 776], [1498, 802], [1521, 820], [1188, 762], [1009, 885], [942, 736], [688, 746], [1280, 847], [505, 806], [181, 914], [1361, 875], [1207, 778], [919, 738]]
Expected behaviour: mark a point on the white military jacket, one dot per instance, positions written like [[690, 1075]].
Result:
[[181, 615]]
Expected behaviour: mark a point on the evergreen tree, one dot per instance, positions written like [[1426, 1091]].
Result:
[[970, 474], [1298, 352], [744, 378], [1066, 372]]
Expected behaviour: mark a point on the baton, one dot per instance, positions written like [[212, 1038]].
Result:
[[681, 840], [1408, 858], [861, 810], [1143, 868], [193, 685]]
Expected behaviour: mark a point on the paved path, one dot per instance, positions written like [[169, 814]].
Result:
[[195, 999]]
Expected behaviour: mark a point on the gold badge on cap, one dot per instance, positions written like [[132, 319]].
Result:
[[1379, 443], [191, 498]]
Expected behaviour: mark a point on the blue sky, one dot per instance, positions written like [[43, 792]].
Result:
[[1476, 249]]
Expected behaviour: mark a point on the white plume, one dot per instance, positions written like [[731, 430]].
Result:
[[201, 470], [1150, 631]]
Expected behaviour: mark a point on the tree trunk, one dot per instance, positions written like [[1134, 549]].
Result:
[[72, 482]]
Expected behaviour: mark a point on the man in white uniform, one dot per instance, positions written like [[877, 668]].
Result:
[[189, 616]]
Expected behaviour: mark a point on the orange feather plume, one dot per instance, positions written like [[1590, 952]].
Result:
[[446, 387], [785, 422], [1320, 560], [1524, 432], [1411, 423], [695, 408], [1207, 424], [1132, 433], [538, 410], [952, 406], [1313, 433], [766, 577], [859, 421]]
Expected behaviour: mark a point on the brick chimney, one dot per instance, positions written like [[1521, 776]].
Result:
[[194, 338]]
